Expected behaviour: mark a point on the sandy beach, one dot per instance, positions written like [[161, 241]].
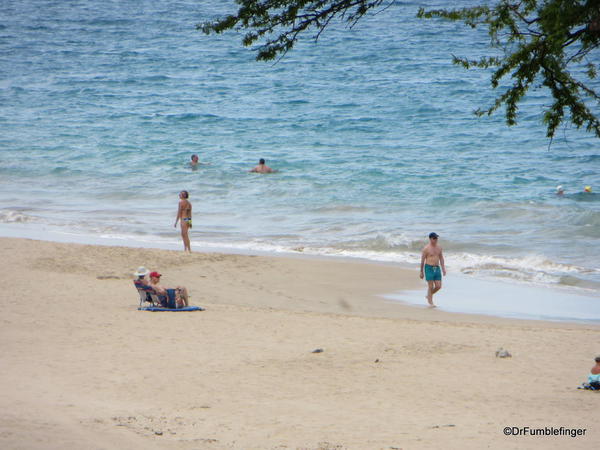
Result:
[[83, 369]]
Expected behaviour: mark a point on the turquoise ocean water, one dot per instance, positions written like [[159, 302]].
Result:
[[372, 130]]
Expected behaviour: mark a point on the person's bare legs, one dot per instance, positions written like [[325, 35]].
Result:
[[184, 235], [437, 286], [429, 296], [183, 292], [432, 288]]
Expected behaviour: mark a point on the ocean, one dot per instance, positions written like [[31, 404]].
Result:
[[371, 130]]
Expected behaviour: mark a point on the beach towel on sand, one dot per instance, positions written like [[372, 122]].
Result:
[[593, 386], [160, 308]]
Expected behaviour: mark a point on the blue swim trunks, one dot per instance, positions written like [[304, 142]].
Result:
[[169, 300], [433, 273]]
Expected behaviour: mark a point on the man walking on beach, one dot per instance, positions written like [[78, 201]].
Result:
[[431, 260]]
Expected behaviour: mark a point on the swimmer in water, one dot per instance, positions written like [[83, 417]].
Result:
[[262, 167], [560, 191], [195, 162], [587, 189], [184, 213]]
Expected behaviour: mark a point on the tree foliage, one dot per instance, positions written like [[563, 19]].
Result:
[[279, 23], [552, 43], [547, 42]]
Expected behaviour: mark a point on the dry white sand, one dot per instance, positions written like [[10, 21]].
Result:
[[81, 368]]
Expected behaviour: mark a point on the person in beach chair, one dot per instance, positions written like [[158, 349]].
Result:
[[593, 383], [169, 297], [146, 292]]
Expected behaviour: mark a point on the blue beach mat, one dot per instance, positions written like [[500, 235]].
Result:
[[159, 308]]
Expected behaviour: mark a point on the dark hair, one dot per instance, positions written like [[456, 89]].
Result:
[[597, 359], [193, 156], [185, 194], [261, 161]]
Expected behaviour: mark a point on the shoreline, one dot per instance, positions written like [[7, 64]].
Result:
[[495, 298], [409, 297], [520, 270]]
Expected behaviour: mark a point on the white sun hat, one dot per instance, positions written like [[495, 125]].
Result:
[[141, 272]]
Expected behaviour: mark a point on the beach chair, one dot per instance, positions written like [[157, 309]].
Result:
[[146, 293]]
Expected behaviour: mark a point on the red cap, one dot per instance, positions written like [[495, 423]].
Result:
[[155, 274]]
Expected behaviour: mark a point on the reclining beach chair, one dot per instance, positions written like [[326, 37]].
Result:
[[146, 293], [149, 295]]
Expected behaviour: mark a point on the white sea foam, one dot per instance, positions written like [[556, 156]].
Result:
[[12, 216], [529, 270], [536, 269], [532, 269]]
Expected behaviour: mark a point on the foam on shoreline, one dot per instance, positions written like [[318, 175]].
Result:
[[480, 260], [461, 293]]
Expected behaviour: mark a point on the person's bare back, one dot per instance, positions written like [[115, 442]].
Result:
[[185, 209], [262, 168]]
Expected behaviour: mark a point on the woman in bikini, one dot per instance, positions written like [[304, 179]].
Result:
[[184, 213]]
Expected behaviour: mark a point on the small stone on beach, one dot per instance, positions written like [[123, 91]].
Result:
[[317, 350], [501, 353]]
